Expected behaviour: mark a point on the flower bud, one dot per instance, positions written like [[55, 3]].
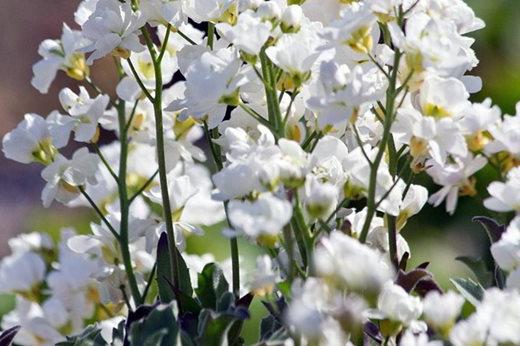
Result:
[[291, 19], [320, 198], [269, 11]]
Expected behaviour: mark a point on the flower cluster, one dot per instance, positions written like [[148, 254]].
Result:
[[317, 116]]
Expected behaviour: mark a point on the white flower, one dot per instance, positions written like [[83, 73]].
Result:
[[63, 54], [506, 251], [21, 272], [292, 18], [501, 310], [210, 10], [505, 196], [162, 11], [469, 332], [32, 141], [269, 10], [37, 328], [143, 63], [421, 339], [248, 35], [65, 177], [112, 29], [338, 92], [355, 33], [413, 202], [220, 69], [397, 305], [442, 310], [356, 221], [428, 137], [378, 239], [296, 53], [443, 97], [84, 114], [455, 179], [34, 241], [319, 198], [432, 44], [264, 278], [505, 135], [262, 219], [345, 260], [180, 189], [84, 10]]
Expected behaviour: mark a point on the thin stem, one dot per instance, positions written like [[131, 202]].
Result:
[[233, 242], [360, 144], [139, 81], [165, 43], [125, 297], [144, 187], [211, 35], [184, 36], [255, 115], [131, 119], [105, 162], [215, 151], [303, 230], [389, 115], [288, 111], [273, 105], [289, 241], [306, 144], [148, 283], [161, 159], [235, 262], [123, 203], [89, 81], [99, 212]]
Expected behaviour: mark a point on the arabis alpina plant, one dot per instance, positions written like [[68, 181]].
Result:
[[316, 116]]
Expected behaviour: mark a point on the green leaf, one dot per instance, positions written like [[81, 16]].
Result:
[[211, 286], [479, 268], [90, 336], [159, 327], [471, 290], [164, 273], [214, 328]]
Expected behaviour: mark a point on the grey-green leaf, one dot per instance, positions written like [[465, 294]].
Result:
[[471, 290], [159, 327]]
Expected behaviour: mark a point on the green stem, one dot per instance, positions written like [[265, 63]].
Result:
[[161, 159], [149, 283], [233, 242], [124, 205], [392, 239], [211, 34], [144, 187], [273, 105], [139, 81], [374, 167], [303, 232], [99, 212], [105, 162]]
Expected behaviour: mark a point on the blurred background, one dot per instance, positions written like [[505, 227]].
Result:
[[433, 236]]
